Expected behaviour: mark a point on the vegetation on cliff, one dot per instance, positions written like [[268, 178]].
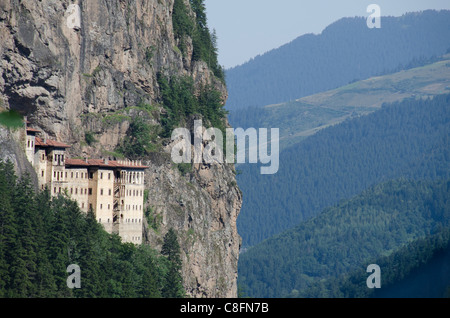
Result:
[[179, 95], [181, 101], [204, 42]]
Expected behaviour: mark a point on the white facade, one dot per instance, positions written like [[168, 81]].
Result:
[[113, 190]]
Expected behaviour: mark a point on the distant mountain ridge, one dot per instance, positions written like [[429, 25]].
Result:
[[345, 51], [305, 116]]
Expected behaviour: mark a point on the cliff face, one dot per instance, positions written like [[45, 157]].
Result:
[[78, 67]]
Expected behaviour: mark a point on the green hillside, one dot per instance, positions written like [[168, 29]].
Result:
[[343, 52], [305, 116], [346, 238], [420, 269], [409, 138]]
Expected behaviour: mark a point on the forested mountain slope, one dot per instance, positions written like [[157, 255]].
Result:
[[410, 138], [345, 51], [347, 238], [305, 116], [420, 269]]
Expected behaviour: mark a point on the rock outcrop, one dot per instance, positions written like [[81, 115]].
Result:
[[80, 67], [12, 149]]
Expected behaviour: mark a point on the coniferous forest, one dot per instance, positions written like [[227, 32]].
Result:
[[420, 269], [398, 225], [41, 237], [371, 190], [408, 138]]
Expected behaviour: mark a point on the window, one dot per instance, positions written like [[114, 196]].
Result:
[[101, 206], [71, 175], [101, 175], [77, 175], [109, 192], [109, 206], [101, 191], [109, 176], [90, 191], [54, 190], [66, 175], [82, 205], [42, 173], [91, 175], [76, 190], [71, 190], [43, 157]]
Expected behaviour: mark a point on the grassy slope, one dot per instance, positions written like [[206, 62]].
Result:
[[304, 117]]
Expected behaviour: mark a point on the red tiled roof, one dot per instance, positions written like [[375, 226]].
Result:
[[101, 163], [33, 130], [50, 143]]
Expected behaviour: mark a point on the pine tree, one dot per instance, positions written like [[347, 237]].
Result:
[[171, 248], [58, 246], [8, 230], [173, 287], [24, 267], [93, 282], [145, 265], [46, 285]]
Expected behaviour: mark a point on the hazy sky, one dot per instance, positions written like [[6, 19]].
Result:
[[246, 28]]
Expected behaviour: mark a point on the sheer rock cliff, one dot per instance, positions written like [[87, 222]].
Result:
[[79, 67]]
